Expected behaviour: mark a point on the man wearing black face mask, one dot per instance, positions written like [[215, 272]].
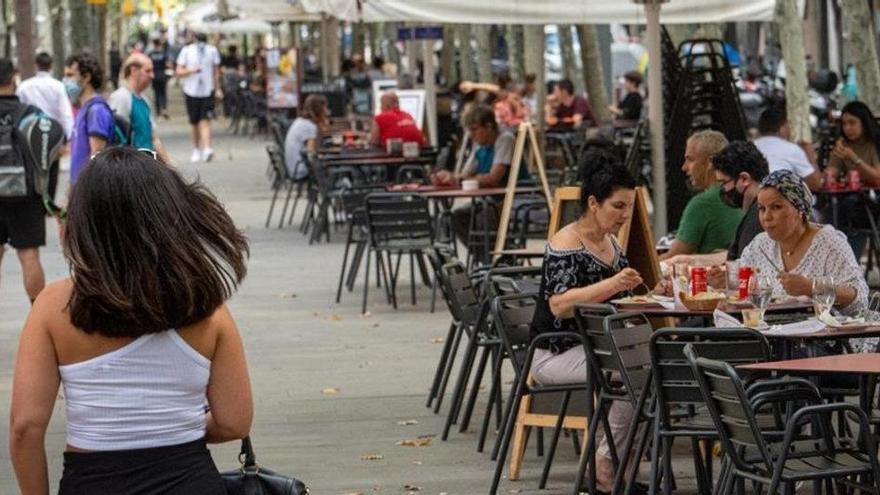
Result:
[[739, 169]]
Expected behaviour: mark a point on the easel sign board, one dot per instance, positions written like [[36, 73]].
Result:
[[635, 237], [412, 101]]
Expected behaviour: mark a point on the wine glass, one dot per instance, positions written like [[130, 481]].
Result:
[[760, 292], [824, 294]]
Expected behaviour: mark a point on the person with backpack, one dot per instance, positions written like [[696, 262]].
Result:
[[128, 103], [24, 176], [93, 128]]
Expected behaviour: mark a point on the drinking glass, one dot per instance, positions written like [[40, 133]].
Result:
[[732, 272], [760, 292], [824, 294]]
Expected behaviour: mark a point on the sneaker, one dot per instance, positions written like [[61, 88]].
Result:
[[208, 154], [196, 156]]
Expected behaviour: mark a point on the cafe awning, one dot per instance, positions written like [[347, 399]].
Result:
[[540, 11]]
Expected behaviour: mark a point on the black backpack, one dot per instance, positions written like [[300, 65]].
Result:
[[121, 134], [30, 141]]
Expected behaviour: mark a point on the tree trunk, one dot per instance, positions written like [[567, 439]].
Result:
[[56, 14], [569, 60], [392, 54], [448, 67], [533, 61], [100, 47], [514, 38], [860, 50], [79, 26], [24, 37], [791, 37], [466, 52], [482, 33], [374, 30], [358, 32], [594, 76]]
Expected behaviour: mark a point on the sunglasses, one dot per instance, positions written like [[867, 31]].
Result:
[[147, 151]]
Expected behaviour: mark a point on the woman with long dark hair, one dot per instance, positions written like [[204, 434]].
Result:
[[858, 147], [139, 336]]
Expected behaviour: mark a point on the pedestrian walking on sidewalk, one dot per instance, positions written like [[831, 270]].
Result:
[[198, 68]]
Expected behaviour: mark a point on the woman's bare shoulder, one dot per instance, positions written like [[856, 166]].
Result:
[[54, 297], [564, 240]]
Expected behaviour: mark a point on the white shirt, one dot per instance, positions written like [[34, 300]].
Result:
[[295, 142], [205, 58], [48, 94], [120, 103], [784, 155]]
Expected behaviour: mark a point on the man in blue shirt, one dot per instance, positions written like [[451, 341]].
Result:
[[93, 126], [128, 102]]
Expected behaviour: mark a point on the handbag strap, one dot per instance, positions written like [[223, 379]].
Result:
[[247, 457]]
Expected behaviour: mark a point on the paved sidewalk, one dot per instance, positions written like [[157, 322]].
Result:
[[331, 387]]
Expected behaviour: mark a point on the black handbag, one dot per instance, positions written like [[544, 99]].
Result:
[[251, 479]]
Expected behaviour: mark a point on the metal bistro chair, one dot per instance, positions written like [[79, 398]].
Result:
[[832, 458], [398, 223], [281, 179], [513, 316], [497, 281], [680, 408], [354, 210], [617, 351], [463, 300]]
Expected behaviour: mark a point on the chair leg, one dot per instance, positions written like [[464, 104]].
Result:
[[510, 422], [554, 440], [475, 389], [412, 278], [637, 456], [356, 259], [344, 263], [494, 396], [667, 465], [575, 439], [272, 204], [441, 365], [286, 202], [628, 450], [299, 189], [589, 448], [385, 275], [539, 444], [464, 373], [655, 458], [500, 436], [448, 371], [367, 281]]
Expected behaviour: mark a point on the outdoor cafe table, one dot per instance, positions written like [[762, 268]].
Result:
[[653, 310], [447, 194], [865, 365]]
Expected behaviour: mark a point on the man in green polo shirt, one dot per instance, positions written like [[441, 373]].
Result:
[[707, 224]]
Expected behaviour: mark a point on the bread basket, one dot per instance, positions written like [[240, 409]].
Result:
[[708, 304]]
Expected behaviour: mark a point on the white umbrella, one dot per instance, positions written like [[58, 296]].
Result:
[[242, 26]]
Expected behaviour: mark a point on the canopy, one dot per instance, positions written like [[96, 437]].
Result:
[[240, 26], [541, 11], [273, 10]]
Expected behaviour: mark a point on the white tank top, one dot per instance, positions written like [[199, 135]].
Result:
[[150, 393]]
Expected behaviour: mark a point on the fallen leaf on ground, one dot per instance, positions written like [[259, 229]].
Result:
[[408, 422], [375, 325], [335, 318], [330, 391], [412, 488], [366, 314], [287, 295], [372, 457], [421, 441], [355, 493], [417, 463], [437, 340]]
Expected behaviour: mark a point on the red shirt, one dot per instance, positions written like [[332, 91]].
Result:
[[396, 123]]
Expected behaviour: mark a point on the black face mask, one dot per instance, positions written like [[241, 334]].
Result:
[[732, 198]]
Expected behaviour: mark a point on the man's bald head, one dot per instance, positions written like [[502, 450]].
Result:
[[389, 101], [138, 72]]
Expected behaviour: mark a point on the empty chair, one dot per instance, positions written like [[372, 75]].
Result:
[[829, 456], [680, 408], [398, 223]]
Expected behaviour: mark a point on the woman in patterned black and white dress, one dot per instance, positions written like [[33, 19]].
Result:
[[583, 263]]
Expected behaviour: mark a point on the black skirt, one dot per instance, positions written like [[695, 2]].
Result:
[[174, 470]]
